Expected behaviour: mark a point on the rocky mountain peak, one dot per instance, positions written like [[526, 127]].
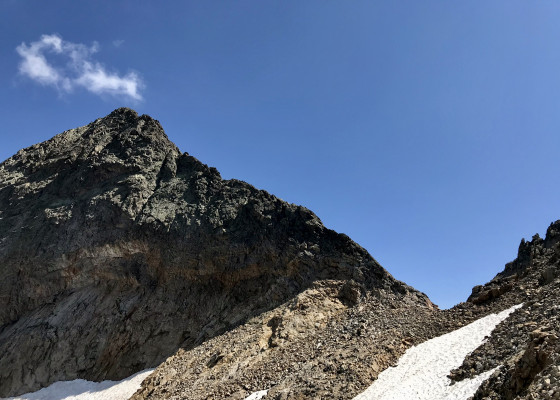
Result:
[[126, 121], [119, 253], [116, 249], [123, 112]]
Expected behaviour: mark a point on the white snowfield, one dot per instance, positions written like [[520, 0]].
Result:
[[257, 395], [421, 373], [80, 389]]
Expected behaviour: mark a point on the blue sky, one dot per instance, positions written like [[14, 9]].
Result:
[[426, 131]]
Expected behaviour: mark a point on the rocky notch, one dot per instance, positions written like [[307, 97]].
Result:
[[116, 249]]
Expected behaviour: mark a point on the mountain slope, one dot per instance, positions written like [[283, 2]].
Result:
[[316, 346], [116, 249]]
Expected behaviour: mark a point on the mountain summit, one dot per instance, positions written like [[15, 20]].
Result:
[[117, 249]]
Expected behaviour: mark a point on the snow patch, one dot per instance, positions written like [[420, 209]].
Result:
[[81, 389], [421, 373], [257, 395]]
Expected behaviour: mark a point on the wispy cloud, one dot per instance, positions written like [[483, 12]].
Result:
[[78, 68]]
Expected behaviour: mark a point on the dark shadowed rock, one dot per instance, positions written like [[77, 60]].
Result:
[[116, 249]]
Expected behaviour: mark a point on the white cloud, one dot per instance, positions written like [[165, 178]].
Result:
[[78, 70], [97, 80], [34, 63]]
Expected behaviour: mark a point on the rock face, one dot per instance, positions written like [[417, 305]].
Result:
[[116, 250]]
